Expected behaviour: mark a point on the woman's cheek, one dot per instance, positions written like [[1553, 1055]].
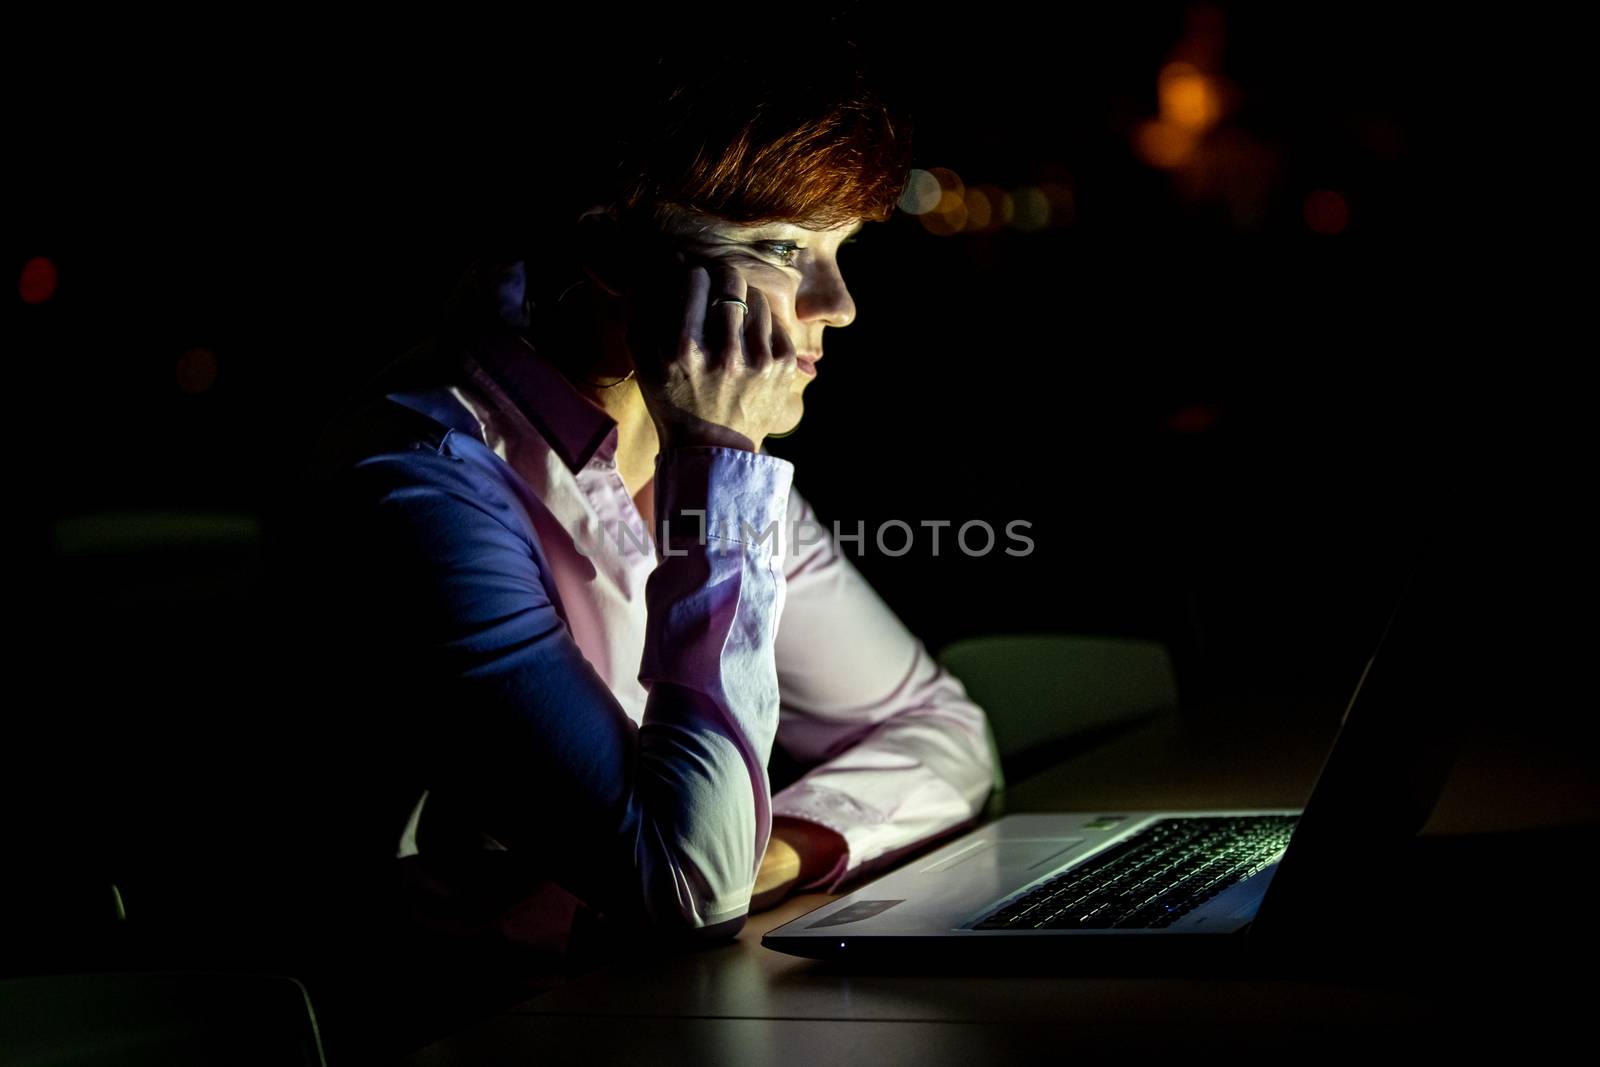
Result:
[[777, 286]]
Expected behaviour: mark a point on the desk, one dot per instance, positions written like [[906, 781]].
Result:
[[741, 1004]]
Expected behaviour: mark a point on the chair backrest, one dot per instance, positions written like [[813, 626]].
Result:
[[1040, 690], [155, 736], [157, 1019]]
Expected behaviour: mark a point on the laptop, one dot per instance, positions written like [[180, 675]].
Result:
[[1026, 885]]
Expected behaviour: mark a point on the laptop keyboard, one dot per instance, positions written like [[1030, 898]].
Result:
[[1152, 879]]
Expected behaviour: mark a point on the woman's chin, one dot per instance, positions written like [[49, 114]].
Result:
[[791, 422]]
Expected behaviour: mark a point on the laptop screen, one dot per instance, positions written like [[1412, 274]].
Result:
[[1382, 776]]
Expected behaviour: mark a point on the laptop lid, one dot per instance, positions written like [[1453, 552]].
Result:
[[1378, 784]]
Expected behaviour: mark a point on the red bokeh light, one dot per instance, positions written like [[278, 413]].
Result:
[[38, 281], [1326, 212]]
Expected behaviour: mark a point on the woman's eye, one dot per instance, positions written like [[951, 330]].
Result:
[[782, 251]]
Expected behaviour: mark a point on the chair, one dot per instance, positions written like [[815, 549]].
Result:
[[165, 1019], [119, 937], [159, 728], [1048, 696]]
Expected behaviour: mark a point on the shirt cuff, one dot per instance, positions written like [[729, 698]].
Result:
[[927, 808], [720, 498]]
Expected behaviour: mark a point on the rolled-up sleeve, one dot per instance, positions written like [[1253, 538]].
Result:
[[899, 752], [664, 822]]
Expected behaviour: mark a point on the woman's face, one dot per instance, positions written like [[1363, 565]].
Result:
[[795, 267]]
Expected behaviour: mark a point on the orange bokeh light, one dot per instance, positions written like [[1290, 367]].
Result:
[[1163, 144], [948, 180], [949, 217], [980, 210], [1004, 208], [1189, 99]]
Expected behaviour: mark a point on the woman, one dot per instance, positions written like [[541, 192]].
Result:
[[571, 554]]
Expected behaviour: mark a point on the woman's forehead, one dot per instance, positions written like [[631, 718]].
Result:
[[685, 222]]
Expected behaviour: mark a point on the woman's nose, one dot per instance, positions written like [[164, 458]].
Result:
[[822, 296]]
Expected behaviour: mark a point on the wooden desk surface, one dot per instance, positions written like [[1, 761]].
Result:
[[739, 1003]]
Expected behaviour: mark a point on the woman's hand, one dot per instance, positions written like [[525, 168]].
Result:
[[780, 870], [797, 851], [712, 375]]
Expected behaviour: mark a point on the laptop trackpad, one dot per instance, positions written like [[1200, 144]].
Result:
[[1027, 853]]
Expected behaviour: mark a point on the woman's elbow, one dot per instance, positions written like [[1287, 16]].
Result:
[[725, 930], [696, 910], [677, 930]]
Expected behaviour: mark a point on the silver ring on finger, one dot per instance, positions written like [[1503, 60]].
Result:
[[719, 301]]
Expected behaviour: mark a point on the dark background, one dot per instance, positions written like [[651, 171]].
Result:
[[1228, 431], [1221, 425]]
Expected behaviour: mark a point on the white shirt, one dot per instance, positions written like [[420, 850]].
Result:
[[658, 677]]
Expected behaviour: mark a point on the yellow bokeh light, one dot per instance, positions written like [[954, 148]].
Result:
[[1188, 98], [1161, 144]]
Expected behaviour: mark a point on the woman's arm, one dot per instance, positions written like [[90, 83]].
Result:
[[901, 752], [665, 822]]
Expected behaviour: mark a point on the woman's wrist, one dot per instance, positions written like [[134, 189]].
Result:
[[689, 432]]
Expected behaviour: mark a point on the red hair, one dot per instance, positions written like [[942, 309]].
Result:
[[810, 142]]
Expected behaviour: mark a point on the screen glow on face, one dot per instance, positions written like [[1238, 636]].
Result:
[[796, 267]]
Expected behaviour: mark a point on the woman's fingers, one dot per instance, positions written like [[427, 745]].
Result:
[[725, 319], [725, 332], [692, 328], [729, 367], [765, 341]]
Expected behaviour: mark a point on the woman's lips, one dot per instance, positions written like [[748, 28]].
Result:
[[807, 364]]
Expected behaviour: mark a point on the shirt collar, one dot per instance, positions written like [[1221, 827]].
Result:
[[574, 426]]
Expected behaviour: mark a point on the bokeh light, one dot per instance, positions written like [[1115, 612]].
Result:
[[1189, 100], [921, 194], [197, 370], [948, 180], [1063, 206], [949, 217], [985, 207], [1326, 212], [980, 210], [1002, 207], [1193, 418], [1031, 209], [949, 214], [989, 208], [38, 281], [1164, 144]]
